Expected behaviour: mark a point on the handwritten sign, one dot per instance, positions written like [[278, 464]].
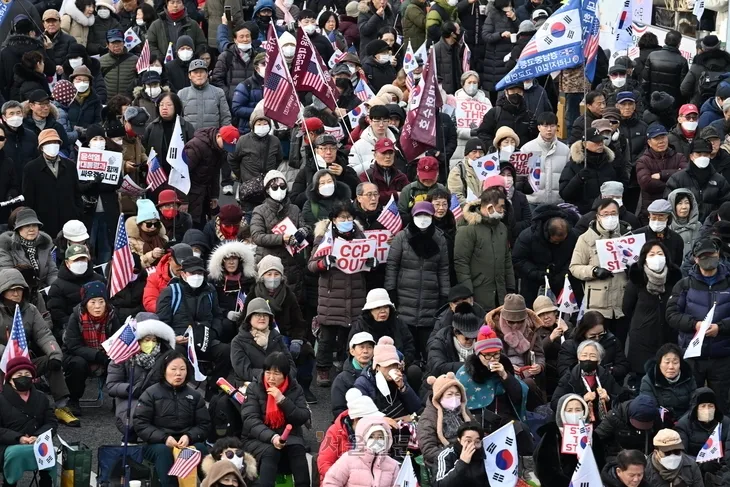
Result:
[[287, 227], [352, 254], [615, 253], [380, 237], [572, 438], [470, 112], [90, 163]]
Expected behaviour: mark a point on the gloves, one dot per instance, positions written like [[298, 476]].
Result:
[[301, 235], [54, 364], [601, 273], [233, 315], [98, 178], [330, 261], [295, 347], [101, 357], [371, 262]]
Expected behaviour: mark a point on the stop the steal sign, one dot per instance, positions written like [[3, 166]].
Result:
[[616, 254]]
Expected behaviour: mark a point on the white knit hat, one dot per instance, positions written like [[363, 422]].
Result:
[[359, 406], [273, 174]]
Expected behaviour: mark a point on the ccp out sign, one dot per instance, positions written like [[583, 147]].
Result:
[[351, 255]]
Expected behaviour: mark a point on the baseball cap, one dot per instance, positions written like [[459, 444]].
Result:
[[193, 264], [617, 69], [76, 251], [37, 96], [593, 135], [51, 13], [428, 168], [137, 118], [229, 134], [602, 125], [704, 246], [625, 96], [540, 13], [114, 35], [361, 337], [196, 64], [325, 139], [688, 108], [313, 124], [655, 130], [384, 145]]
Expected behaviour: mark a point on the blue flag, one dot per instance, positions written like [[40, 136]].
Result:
[[4, 10], [590, 26]]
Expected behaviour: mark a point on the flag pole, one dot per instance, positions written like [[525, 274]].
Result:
[[125, 464]]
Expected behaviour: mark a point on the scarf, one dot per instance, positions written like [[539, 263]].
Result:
[[274, 417], [422, 242], [451, 422], [667, 475], [30, 251], [481, 395], [81, 97], [515, 336], [151, 241], [655, 280], [93, 329], [463, 353], [147, 360], [261, 337], [276, 300], [175, 17]]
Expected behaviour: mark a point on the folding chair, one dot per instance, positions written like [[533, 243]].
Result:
[[99, 400]]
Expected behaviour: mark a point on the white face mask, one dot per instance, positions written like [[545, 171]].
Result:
[[118, 140], [15, 121], [51, 150], [261, 72], [383, 58], [689, 126], [75, 62], [81, 86], [706, 415], [243, 46], [671, 462], [320, 161], [78, 268], [261, 130], [288, 51], [422, 221], [310, 28], [277, 194], [452, 3], [702, 162], [375, 446], [618, 82], [97, 144], [185, 54], [196, 253], [471, 89], [527, 85], [656, 262], [153, 91], [572, 418], [657, 226], [195, 281], [615, 136], [496, 215], [139, 22], [609, 222], [505, 153], [236, 461], [327, 190], [103, 13], [288, 3], [156, 69]]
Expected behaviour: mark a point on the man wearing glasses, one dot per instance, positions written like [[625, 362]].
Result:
[[335, 161]]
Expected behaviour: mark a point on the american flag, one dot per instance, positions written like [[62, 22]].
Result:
[[280, 99], [309, 73], [363, 91], [143, 63], [325, 246], [17, 345], [185, 463], [122, 345], [455, 207], [156, 176], [312, 77], [390, 218], [122, 261], [240, 300]]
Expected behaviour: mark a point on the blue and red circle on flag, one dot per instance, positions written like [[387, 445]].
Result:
[[504, 460], [489, 165], [536, 173], [42, 449], [557, 29], [583, 441], [708, 444]]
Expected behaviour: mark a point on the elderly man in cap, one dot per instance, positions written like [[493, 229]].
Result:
[[706, 286], [660, 216], [719, 157], [427, 174], [41, 114], [686, 129], [205, 105], [655, 166], [388, 178], [618, 81], [60, 40], [669, 462], [361, 347], [631, 126], [330, 157], [118, 66]]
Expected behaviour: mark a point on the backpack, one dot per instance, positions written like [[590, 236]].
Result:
[[708, 83]]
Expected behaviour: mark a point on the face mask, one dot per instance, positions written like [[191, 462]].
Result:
[[272, 283], [185, 54], [309, 29], [197, 254], [169, 213], [14, 122], [657, 227], [345, 227], [384, 58], [277, 194], [572, 418], [709, 263], [656, 262], [588, 366], [381, 383], [496, 215], [118, 140], [689, 126], [156, 69], [422, 221], [103, 13], [265, 18], [702, 162], [288, 3], [78, 268], [609, 222], [706, 415], [75, 62], [261, 130], [147, 347], [527, 85], [671, 462], [81, 87], [236, 461], [288, 51], [505, 153], [243, 46], [450, 403], [153, 91], [23, 384], [471, 89], [97, 144], [139, 22], [195, 281], [229, 231], [615, 136], [375, 446], [606, 140], [327, 190], [515, 98], [618, 82], [261, 72], [51, 150], [452, 3]]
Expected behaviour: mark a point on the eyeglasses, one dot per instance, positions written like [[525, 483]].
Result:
[[597, 336], [380, 121], [230, 454], [327, 148], [440, 206], [490, 356], [371, 196], [2, 138]]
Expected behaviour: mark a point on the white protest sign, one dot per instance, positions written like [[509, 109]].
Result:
[[694, 349], [470, 112], [523, 161], [380, 237], [335, 132], [572, 438], [92, 162], [287, 227], [352, 254], [613, 253]]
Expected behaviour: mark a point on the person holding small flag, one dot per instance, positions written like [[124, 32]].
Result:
[[697, 426], [668, 465], [171, 414]]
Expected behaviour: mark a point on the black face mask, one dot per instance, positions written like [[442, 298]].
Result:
[[264, 19], [515, 99], [23, 384], [588, 366], [343, 84]]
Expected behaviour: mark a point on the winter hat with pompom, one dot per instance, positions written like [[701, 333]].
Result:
[[359, 406], [440, 385], [487, 341], [661, 101], [385, 352]]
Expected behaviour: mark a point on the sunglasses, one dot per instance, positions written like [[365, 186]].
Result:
[[152, 225], [2, 138], [229, 454], [278, 186]]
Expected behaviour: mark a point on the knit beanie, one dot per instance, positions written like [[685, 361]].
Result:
[[465, 321], [273, 174], [270, 263], [359, 406], [19, 363], [385, 352], [184, 40], [661, 101], [95, 130], [351, 9], [91, 290], [487, 341], [146, 211]]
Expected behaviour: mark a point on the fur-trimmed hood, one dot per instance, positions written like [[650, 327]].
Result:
[[157, 328], [492, 319], [133, 230], [69, 8], [576, 152], [249, 463], [239, 249], [363, 6], [9, 241], [472, 215], [53, 113]]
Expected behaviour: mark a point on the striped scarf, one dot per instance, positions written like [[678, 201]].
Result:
[[30, 251]]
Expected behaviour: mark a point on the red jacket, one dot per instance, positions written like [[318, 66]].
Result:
[[156, 282], [335, 443]]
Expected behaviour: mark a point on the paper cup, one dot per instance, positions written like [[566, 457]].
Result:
[[513, 38]]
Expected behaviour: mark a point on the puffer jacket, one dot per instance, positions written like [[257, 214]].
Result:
[[118, 375], [715, 60], [414, 24], [664, 70], [448, 62], [634, 131], [137, 244], [86, 113], [12, 255], [120, 78], [494, 67], [463, 132], [337, 441], [205, 106], [370, 23], [606, 295], [666, 164], [163, 31], [418, 274], [191, 306], [442, 354], [25, 81], [482, 257], [554, 157], [143, 100], [65, 293], [13, 49], [393, 327], [709, 194], [96, 44], [75, 23], [24, 417], [616, 433], [156, 282], [361, 467], [205, 159], [532, 323], [164, 410], [246, 96], [74, 343], [341, 296], [52, 122], [344, 381], [377, 74], [674, 397], [248, 357], [580, 184], [573, 383], [40, 339], [679, 141], [362, 151], [518, 117], [689, 230], [232, 68], [689, 473], [694, 434]]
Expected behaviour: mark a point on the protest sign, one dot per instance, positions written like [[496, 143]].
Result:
[[572, 436], [91, 162], [380, 237], [489, 165], [523, 161], [352, 254], [335, 132], [615, 253], [130, 187], [287, 227], [470, 112]]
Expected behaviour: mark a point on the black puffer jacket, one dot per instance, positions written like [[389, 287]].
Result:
[[12, 51], [378, 75], [715, 60], [344, 381], [581, 184], [634, 130], [694, 434], [442, 354], [231, 69], [98, 85], [614, 361], [674, 397], [519, 118], [96, 42], [392, 327], [65, 293], [19, 417], [664, 70], [370, 23], [25, 81], [194, 306], [448, 62], [248, 357], [617, 433], [317, 207], [164, 410], [497, 47], [708, 186], [417, 273]]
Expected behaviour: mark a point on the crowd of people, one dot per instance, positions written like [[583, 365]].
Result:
[[466, 321]]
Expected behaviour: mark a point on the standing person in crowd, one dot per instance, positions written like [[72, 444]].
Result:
[[148, 93], [670, 381], [28, 76], [660, 214], [85, 108], [177, 69], [665, 69], [372, 17], [509, 112], [76, 19], [496, 32], [377, 65], [205, 105], [685, 217], [668, 465], [363, 151], [463, 180], [551, 334], [21, 144], [427, 173], [612, 190], [323, 195], [238, 62], [118, 66], [554, 157], [41, 114], [469, 91], [682, 134], [710, 57], [448, 58], [173, 23], [595, 104], [78, 56], [361, 347], [631, 127], [146, 234], [247, 94], [106, 20], [389, 179]]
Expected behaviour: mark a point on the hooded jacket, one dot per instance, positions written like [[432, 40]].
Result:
[[317, 207], [156, 282], [163, 31], [377, 74], [580, 183], [363, 150], [75, 23], [215, 471], [228, 286], [689, 473], [13, 255], [248, 357], [689, 230], [714, 60], [609, 477], [197, 307], [137, 244], [554, 157], [616, 433], [709, 187], [674, 397], [665, 164], [431, 439], [694, 433], [441, 352], [518, 117]]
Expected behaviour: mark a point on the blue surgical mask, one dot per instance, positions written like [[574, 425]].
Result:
[[344, 227]]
